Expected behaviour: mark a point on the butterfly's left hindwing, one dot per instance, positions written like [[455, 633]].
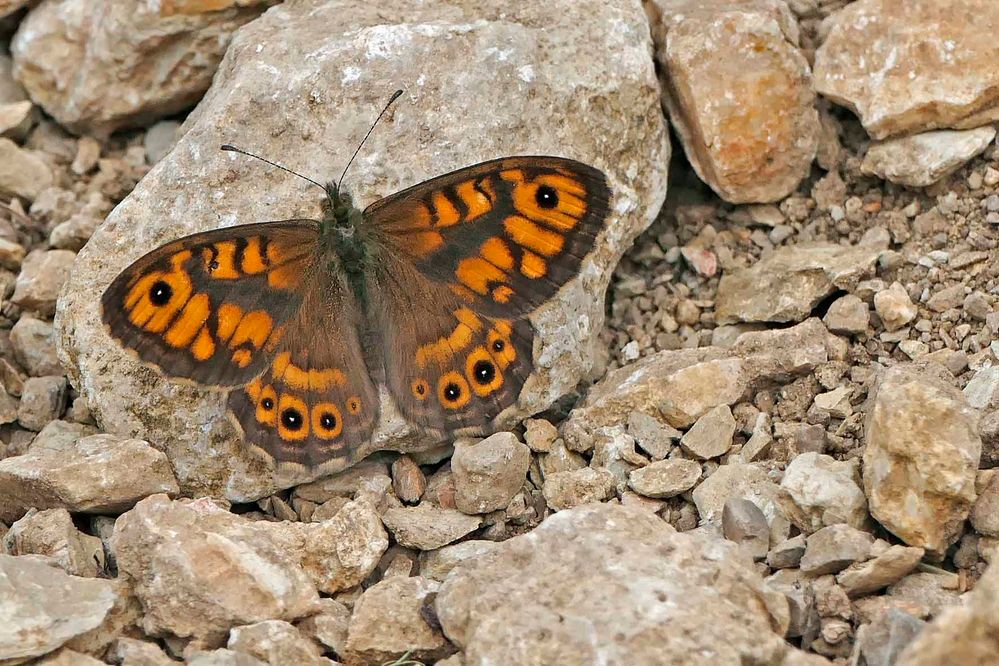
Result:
[[211, 307], [463, 260]]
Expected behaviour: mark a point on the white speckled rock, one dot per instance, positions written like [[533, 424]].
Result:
[[923, 159], [96, 68], [909, 66], [301, 85]]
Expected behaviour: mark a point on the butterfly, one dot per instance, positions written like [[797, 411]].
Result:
[[426, 292]]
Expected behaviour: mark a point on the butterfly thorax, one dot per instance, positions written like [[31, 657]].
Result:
[[340, 232]]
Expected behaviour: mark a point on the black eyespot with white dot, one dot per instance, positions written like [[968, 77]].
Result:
[[267, 404], [291, 419], [327, 421], [484, 372], [452, 392], [546, 197], [498, 345], [160, 293]]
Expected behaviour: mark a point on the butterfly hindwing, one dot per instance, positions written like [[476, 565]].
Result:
[[464, 258], [315, 402], [212, 306]]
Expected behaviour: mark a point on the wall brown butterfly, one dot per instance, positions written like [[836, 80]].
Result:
[[426, 292]]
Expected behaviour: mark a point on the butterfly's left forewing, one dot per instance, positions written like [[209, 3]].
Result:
[[211, 307], [464, 258]]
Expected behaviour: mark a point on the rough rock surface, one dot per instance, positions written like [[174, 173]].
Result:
[[922, 452], [199, 570], [923, 159], [127, 63], [332, 83], [529, 599], [428, 527], [276, 642], [817, 491], [739, 93], [964, 634], [789, 283], [489, 473], [908, 66], [51, 533], [94, 474], [44, 607]]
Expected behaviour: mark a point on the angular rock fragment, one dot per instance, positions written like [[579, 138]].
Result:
[[564, 490], [428, 527], [665, 478], [923, 159], [818, 491], [489, 473]]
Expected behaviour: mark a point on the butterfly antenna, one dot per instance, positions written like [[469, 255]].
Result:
[[233, 149], [396, 95]]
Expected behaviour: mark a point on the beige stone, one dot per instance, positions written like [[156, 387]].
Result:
[[922, 452], [908, 66], [739, 93], [567, 593], [963, 634], [131, 62], [923, 159], [199, 570], [94, 474], [53, 534], [570, 488], [276, 642], [489, 473], [788, 283], [665, 478], [45, 607], [482, 79], [22, 173], [389, 622], [427, 527], [817, 491], [43, 275]]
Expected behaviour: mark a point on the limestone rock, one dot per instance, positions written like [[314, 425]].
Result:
[[199, 570], [437, 564], [135, 652], [22, 173], [528, 600], [51, 533], [834, 548], [739, 93], [665, 478], [428, 527], [745, 524], [328, 626], [499, 68], [735, 480], [922, 452], [45, 607], [489, 473], [985, 513], [684, 384], [99, 71], [564, 490], [908, 66], [34, 347], [894, 307], [408, 480], [923, 159], [711, 436], [276, 642], [963, 634], [887, 568], [342, 551], [789, 282], [389, 622], [95, 474], [818, 491], [42, 400], [847, 315], [42, 277], [223, 657]]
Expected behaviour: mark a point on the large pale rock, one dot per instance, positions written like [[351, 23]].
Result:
[[817, 491], [489, 473], [907, 66], [276, 642], [97, 68], [482, 79], [611, 584], [43, 607], [735, 481], [53, 534], [923, 159], [95, 474], [683, 385], [962, 634], [789, 282], [739, 93], [922, 452], [199, 570]]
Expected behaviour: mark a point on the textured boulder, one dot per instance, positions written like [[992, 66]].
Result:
[[908, 66], [482, 81], [923, 449], [96, 68], [739, 93], [611, 584]]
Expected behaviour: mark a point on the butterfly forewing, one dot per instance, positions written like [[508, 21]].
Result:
[[463, 259], [212, 307]]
